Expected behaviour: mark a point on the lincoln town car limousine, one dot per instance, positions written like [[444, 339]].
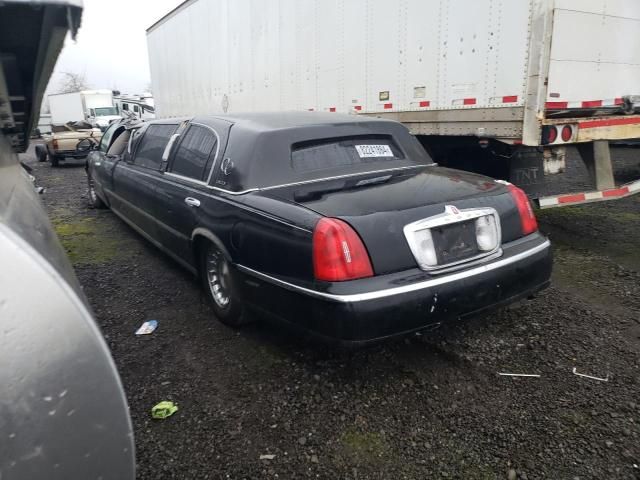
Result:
[[336, 224]]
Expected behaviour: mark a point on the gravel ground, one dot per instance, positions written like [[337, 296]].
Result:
[[429, 406]]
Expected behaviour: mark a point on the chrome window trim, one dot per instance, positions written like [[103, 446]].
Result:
[[146, 214], [449, 218], [215, 157], [163, 177], [186, 179], [167, 148], [388, 292], [348, 175]]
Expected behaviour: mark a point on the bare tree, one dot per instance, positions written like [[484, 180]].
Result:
[[73, 82]]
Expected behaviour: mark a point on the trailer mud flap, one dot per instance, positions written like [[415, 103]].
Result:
[[527, 171]]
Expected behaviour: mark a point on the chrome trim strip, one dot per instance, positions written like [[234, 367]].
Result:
[[162, 177], [148, 215], [154, 242], [388, 292], [338, 177], [186, 179]]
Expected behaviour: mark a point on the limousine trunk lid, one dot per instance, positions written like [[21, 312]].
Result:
[[380, 205]]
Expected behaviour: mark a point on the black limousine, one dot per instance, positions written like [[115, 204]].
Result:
[[337, 224]]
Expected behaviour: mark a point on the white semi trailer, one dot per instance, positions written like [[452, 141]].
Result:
[[494, 86], [93, 106]]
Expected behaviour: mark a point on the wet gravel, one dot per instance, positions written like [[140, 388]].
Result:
[[262, 403]]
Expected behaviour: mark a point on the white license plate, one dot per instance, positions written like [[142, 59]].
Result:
[[367, 151]]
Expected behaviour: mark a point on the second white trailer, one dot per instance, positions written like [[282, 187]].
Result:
[[461, 74]]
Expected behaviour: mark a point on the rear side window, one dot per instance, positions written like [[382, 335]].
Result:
[[152, 144], [195, 154], [341, 152]]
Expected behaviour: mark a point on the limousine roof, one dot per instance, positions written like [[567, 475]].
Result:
[[260, 144]]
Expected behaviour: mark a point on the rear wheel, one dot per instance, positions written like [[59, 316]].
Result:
[[218, 281], [94, 200]]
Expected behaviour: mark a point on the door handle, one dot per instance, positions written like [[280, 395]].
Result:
[[192, 202]]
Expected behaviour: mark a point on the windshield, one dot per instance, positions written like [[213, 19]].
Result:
[[104, 111]]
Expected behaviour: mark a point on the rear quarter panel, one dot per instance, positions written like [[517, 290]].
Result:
[[268, 235]]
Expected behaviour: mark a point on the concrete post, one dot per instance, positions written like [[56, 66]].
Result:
[[597, 159]]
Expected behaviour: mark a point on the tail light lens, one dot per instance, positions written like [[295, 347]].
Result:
[[566, 133], [338, 252], [527, 217], [55, 143], [549, 134]]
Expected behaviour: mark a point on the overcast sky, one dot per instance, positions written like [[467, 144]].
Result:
[[111, 46]]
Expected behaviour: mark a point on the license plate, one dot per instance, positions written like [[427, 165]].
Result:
[[368, 151], [455, 242]]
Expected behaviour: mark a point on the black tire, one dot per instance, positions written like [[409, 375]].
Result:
[[41, 153], [225, 300], [55, 160], [94, 200]]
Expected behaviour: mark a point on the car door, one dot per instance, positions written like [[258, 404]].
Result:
[[96, 162], [135, 180], [184, 193]]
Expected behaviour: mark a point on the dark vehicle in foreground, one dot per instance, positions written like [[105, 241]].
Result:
[[63, 413], [339, 225]]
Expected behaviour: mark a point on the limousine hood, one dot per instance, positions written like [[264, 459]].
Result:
[[379, 205]]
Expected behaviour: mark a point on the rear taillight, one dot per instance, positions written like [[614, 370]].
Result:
[[549, 134], [54, 143], [566, 133], [338, 252], [527, 217]]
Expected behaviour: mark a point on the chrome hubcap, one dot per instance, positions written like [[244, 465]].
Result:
[[218, 276]]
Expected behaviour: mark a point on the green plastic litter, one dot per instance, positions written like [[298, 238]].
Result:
[[163, 410]]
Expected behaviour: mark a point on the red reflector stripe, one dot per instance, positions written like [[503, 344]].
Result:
[[510, 99], [618, 101], [357, 107], [617, 192], [592, 103], [388, 106], [332, 109], [425, 103], [517, 142], [611, 122], [552, 105], [572, 198], [469, 101]]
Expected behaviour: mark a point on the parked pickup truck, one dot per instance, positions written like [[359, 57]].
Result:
[[73, 139]]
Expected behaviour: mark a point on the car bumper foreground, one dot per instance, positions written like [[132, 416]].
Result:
[[367, 310]]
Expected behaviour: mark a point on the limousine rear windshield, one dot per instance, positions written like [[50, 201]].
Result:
[[343, 152]]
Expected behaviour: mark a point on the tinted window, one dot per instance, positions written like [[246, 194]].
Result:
[[125, 106], [194, 156], [152, 144], [310, 156], [106, 137], [135, 108]]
